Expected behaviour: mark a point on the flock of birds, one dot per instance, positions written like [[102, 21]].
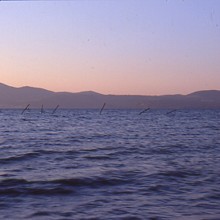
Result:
[[100, 112]]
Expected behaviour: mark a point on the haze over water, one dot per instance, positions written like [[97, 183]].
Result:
[[78, 164]]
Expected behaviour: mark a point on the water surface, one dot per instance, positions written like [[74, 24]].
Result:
[[78, 164]]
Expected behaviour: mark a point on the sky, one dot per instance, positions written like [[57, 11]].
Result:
[[139, 47]]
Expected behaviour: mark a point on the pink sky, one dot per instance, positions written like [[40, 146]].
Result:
[[112, 47]]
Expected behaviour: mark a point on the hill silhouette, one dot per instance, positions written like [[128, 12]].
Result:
[[12, 97]]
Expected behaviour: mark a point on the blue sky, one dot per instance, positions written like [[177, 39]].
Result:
[[111, 46]]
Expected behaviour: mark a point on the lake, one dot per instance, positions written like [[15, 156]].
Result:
[[78, 164]]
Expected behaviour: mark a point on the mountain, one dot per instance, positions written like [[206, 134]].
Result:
[[12, 97], [17, 97]]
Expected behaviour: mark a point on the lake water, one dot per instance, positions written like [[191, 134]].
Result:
[[78, 164]]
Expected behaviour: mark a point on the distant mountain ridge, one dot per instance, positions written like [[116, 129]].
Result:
[[12, 97]]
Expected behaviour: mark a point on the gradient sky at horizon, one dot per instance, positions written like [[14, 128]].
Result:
[[148, 47]]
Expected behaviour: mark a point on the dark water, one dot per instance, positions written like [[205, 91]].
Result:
[[119, 165]]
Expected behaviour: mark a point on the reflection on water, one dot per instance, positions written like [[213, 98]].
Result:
[[79, 164]]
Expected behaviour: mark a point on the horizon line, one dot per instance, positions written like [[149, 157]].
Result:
[[92, 91]]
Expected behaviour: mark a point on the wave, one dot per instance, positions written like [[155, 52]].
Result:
[[16, 187], [98, 157], [35, 154], [31, 191], [91, 182], [26, 156]]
